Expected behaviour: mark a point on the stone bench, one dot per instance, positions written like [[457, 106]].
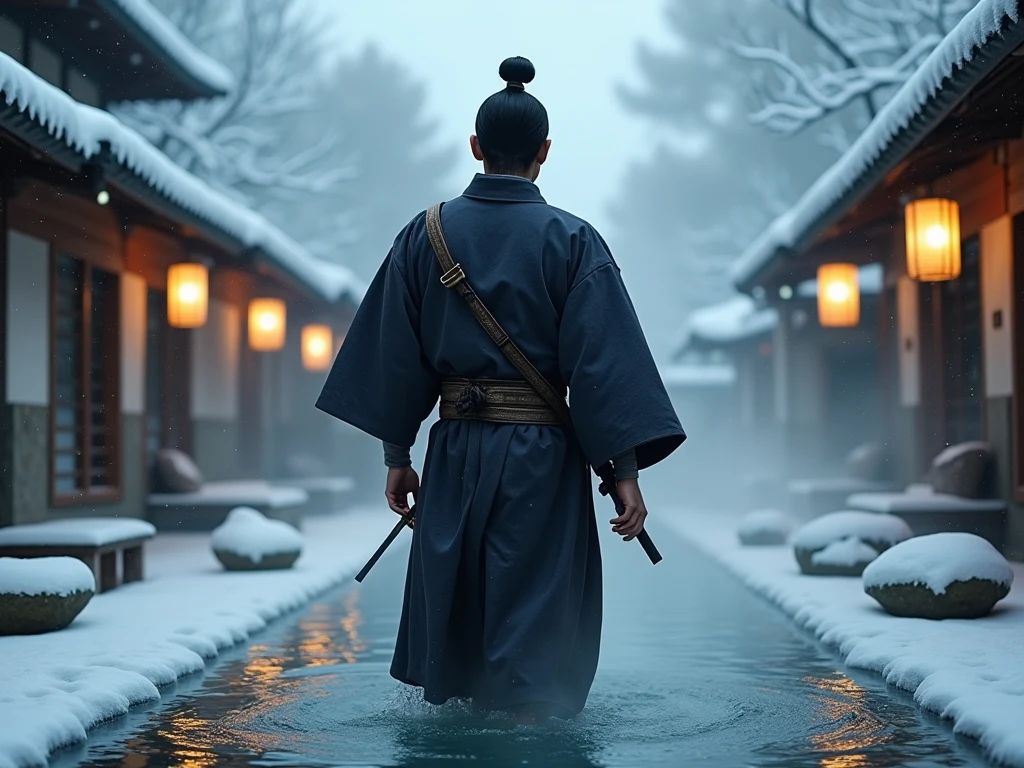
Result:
[[111, 547], [955, 498], [811, 498], [207, 508], [928, 512], [326, 494]]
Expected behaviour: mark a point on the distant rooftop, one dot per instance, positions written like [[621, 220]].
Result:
[[127, 47], [728, 322], [698, 375], [76, 135], [196, 70], [989, 33]]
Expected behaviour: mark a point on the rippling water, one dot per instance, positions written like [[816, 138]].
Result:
[[695, 670]]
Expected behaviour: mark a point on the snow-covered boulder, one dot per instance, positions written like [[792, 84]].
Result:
[[248, 541], [964, 470], [866, 462], [846, 557], [940, 576], [42, 594], [764, 528], [842, 534]]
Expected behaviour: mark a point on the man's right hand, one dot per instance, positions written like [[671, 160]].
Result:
[[631, 522], [402, 482]]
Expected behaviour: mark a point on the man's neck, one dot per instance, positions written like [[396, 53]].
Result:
[[508, 175]]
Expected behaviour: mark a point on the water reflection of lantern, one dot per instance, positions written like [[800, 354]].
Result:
[[933, 239], [838, 295], [187, 295], [266, 324], [317, 346]]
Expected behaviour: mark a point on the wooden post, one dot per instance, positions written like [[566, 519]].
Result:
[[6, 411], [132, 564], [108, 571]]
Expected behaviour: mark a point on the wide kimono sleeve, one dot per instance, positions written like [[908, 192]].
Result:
[[616, 394], [381, 383]]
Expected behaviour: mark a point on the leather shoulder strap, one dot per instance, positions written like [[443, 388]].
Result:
[[453, 276]]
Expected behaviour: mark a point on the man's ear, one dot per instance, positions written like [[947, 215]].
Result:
[[474, 146], [542, 156]]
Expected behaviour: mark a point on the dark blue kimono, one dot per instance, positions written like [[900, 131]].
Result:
[[503, 594]]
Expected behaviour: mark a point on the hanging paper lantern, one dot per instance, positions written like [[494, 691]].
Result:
[[266, 324], [317, 347], [187, 295], [838, 295], [933, 239]]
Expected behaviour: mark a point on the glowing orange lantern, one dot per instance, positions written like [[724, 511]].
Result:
[[317, 346], [187, 295], [933, 239], [838, 295], [266, 324]]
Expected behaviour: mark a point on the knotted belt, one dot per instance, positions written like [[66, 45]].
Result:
[[509, 402]]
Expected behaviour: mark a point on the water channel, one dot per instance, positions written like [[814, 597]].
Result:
[[695, 670]]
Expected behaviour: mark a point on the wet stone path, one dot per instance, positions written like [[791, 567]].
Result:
[[695, 670]]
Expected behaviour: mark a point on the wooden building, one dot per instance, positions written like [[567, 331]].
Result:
[[950, 344], [98, 365]]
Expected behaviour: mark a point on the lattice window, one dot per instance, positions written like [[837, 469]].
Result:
[[85, 414]]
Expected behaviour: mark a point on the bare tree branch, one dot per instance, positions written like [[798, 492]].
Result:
[[235, 143], [868, 48]]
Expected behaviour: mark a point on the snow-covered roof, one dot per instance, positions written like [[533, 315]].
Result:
[[870, 280], [728, 322], [926, 98], [696, 375], [95, 136], [154, 29]]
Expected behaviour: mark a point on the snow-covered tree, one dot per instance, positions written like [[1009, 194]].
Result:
[[711, 181], [863, 51], [336, 150], [376, 113], [237, 143]]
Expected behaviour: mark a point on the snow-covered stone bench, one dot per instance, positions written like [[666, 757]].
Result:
[[326, 494], [928, 512], [864, 473], [811, 498], [207, 508], [953, 500], [111, 547]]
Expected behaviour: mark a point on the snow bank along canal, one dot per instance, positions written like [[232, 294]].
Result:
[[695, 669]]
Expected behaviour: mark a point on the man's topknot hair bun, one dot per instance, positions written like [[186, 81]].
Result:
[[512, 125], [517, 70]]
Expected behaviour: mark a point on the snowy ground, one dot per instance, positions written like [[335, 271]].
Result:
[[970, 672], [126, 643]]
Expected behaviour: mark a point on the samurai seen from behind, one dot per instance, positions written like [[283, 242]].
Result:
[[503, 594]]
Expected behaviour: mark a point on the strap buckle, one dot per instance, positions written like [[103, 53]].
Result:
[[453, 276]]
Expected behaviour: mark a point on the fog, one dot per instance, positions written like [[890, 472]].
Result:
[[608, 162], [581, 50], [681, 129]]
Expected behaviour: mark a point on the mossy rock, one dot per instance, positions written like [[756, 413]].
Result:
[[36, 614], [805, 559], [232, 561], [962, 599]]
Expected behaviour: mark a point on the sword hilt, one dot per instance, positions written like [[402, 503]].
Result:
[[607, 488]]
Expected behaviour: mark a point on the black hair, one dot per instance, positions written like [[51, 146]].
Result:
[[512, 124]]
